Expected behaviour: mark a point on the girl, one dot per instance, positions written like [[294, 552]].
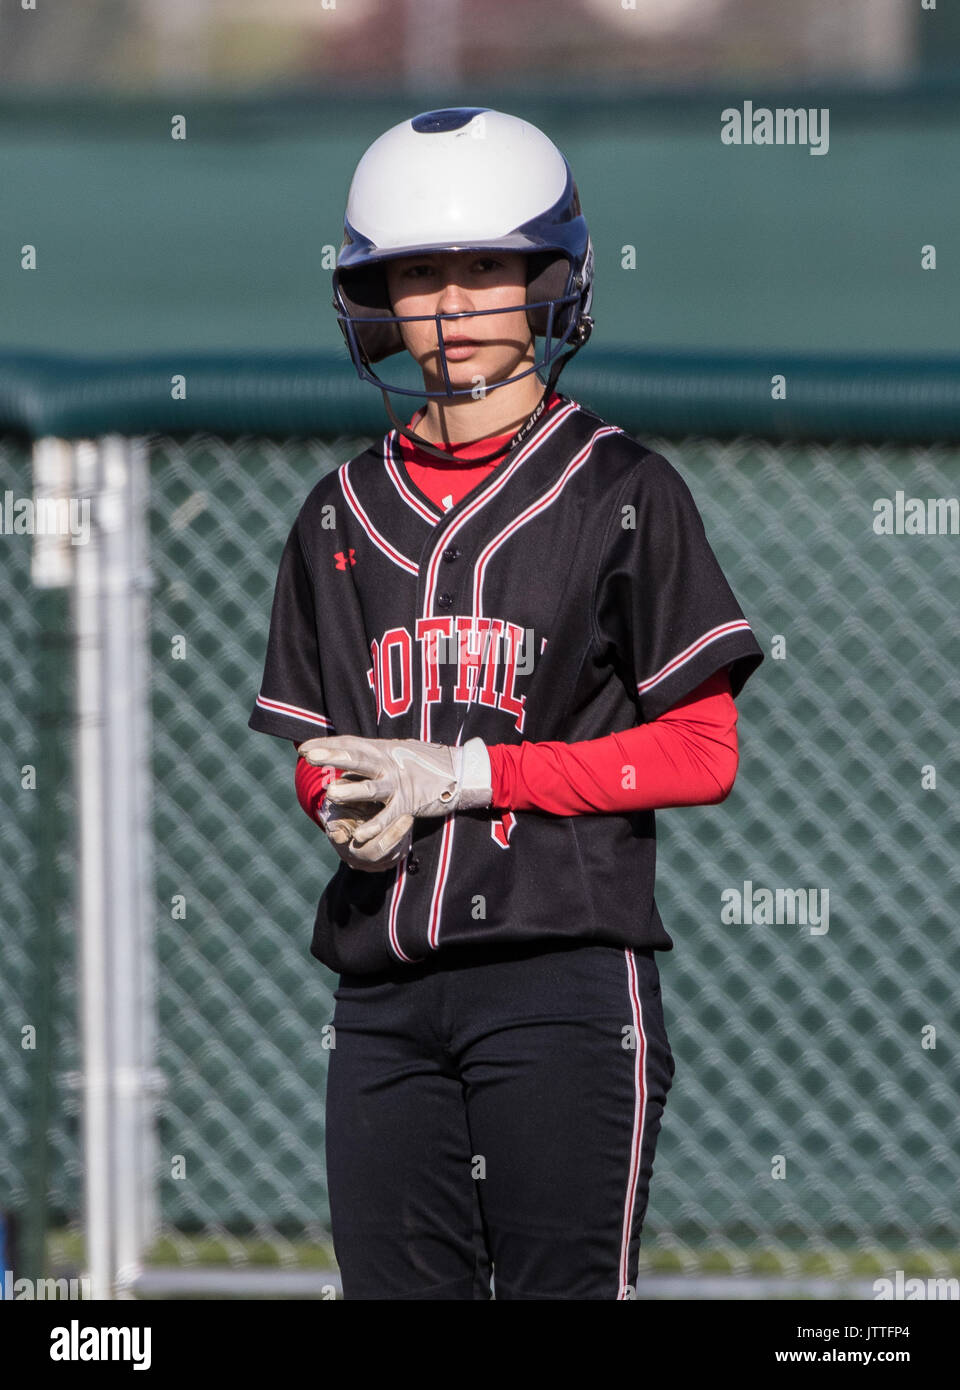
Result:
[[500, 640]]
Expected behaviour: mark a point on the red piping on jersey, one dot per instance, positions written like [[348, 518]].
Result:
[[688, 653], [639, 1118]]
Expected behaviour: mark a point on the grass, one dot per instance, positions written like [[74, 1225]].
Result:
[[65, 1254]]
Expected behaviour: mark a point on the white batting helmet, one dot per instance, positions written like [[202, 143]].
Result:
[[464, 179]]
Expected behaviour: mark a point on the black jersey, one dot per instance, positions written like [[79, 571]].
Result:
[[571, 594]]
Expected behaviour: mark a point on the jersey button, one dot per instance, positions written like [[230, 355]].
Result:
[[444, 600], [413, 864], [451, 553]]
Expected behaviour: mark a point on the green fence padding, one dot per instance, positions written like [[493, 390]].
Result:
[[216, 243], [720, 396]]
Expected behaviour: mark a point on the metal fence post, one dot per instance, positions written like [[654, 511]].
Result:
[[114, 861]]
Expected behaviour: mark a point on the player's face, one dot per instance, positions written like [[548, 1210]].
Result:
[[451, 282]]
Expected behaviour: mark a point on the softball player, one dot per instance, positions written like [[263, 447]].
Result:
[[500, 641]]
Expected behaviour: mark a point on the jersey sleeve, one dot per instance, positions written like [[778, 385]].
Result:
[[291, 702], [664, 612]]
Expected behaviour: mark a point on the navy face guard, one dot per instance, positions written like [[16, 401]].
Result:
[[577, 330]]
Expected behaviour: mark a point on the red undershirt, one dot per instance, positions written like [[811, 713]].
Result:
[[686, 757]]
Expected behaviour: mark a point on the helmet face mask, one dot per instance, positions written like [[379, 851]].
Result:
[[370, 339], [494, 183]]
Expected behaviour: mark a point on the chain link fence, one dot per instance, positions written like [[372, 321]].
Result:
[[39, 1055], [813, 1125], [19, 632]]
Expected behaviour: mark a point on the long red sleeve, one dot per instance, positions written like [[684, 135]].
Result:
[[687, 757], [311, 785]]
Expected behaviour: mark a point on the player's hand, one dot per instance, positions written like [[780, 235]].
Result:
[[411, 778], [340, 824], [376, 856]]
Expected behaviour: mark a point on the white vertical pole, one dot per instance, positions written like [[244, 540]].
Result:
[[51, 559], [118, 754], [93, 944], [112, 584]]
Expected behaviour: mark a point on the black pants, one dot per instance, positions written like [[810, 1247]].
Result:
[[496, 1109]]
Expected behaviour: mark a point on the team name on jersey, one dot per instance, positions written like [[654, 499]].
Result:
[[481, 658]]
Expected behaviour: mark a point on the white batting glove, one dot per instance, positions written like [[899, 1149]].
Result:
[[411, 778], [340, 824]]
